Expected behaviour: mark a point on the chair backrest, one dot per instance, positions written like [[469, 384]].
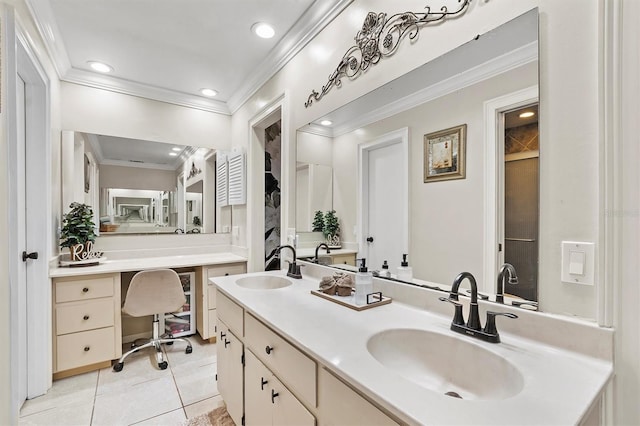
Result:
[[154, 292]]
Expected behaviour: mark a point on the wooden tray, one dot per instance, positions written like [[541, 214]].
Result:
[[349, 301]]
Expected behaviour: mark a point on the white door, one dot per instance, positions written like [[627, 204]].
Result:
[[20, 317], [384, 184]]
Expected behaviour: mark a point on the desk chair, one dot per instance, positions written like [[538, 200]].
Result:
[[154, 293]]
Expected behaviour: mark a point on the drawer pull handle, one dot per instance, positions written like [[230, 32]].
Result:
[[223, 335], [85, 290], [86, 317], [268, 350], [87, 348], [273, 396], [226, 274], [226, 342], [263, 382]]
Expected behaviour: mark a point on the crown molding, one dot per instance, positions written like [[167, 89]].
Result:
[[312, 22], [501, 64], [127, 87], [315, 18], [318, 130]]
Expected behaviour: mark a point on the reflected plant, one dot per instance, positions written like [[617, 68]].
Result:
[[318, 222]]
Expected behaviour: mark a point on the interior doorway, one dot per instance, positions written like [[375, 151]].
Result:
[[384, 205], [29, 212], [521, 199]]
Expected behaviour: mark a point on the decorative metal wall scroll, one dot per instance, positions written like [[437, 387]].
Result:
[[194, 171], [380, 36]]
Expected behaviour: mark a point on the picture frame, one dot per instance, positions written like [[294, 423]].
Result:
[[445, 154]]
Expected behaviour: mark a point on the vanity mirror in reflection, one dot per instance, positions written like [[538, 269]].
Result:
[[474, 223], [142, 187]]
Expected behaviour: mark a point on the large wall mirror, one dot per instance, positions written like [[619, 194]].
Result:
[[478, 101], [142, 187]]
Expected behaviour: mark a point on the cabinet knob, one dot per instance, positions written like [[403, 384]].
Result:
[[226, 274], [86, 317], [226, 342], [86, 289], [268, 350], [273, 396], [87, 348], [263, 382]]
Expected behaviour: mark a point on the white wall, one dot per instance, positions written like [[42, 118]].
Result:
[[136, 178]]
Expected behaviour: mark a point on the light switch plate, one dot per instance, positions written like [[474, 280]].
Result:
[[578, 262]]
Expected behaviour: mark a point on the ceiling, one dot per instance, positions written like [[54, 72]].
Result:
[[170, 49]]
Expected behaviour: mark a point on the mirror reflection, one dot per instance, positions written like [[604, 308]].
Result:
[[472, 223], [143, 187]]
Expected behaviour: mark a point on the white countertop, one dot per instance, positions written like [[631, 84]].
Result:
[[559, 385], [142, 263]]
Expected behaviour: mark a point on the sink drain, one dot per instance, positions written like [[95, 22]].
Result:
[[453, 394]]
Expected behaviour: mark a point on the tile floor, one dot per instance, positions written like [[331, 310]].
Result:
[[140, 394]]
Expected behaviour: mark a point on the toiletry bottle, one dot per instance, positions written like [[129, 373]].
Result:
[[364, 283], [385, 273], [405, 272]]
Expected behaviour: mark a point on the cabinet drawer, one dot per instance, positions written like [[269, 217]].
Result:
[[296, 369], [83, 289], [84, 348], [347, 259], [230, 313], [211, 296], [223, 270], [81, 316], [339, 405]]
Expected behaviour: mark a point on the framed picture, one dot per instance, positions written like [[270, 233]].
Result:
[[444, 154]]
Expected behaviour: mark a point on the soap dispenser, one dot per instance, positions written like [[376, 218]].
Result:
[[364, 283], [385, 273], [405, 272]]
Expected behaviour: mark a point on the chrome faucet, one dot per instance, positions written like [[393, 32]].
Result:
[[294, 268], [315, 259], [506, 270], [472, 327]]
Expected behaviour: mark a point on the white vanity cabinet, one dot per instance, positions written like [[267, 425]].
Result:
[[206, 296], [86, 323], [340, 405], [267, 400], [230, 371]]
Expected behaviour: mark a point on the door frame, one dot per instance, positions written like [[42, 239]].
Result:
[[494, 176], [400, 136], [21, 59]]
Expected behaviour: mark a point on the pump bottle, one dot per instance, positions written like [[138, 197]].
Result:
[[385, 273], [405, 272], [364, 283]]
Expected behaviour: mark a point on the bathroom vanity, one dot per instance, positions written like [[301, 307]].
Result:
[[86, 303], [285, 352]]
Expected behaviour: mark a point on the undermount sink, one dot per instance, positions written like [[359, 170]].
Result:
[[263, 282], [445, 364]]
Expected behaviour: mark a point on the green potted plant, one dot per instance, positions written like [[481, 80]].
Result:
[[77, 230], [318, 222], [331, 229]]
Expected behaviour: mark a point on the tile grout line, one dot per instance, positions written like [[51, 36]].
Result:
[[95, 395]]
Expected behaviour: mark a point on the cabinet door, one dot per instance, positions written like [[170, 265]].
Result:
[[287, 410], [257, 392], [230, 372]]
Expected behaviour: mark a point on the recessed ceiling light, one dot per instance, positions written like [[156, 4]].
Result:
[[263, 30], [326, 122], [100, 66], [175, 148], [527, 114], [209, 92], [173, 154]]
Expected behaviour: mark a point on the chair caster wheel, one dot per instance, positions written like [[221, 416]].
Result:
[[163, 365], [188, 350], [117, 367]]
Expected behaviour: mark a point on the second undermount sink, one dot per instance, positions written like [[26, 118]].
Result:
[[447, 365], [263, 282]]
